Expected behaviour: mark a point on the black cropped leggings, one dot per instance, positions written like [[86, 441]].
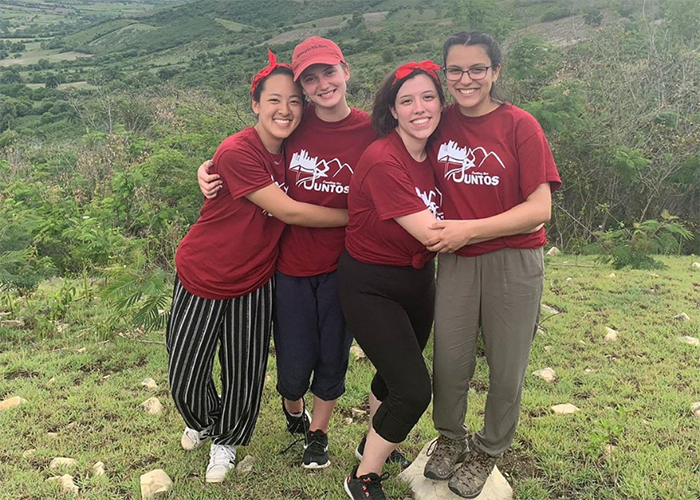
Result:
[[389, 311]]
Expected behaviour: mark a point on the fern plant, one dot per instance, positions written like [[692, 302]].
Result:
[[139, 293], [633, 247]]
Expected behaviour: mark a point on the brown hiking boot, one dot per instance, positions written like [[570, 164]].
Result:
[[444, 454], [469, 479]]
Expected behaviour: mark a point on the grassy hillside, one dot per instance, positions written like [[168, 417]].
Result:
[[634, 437]]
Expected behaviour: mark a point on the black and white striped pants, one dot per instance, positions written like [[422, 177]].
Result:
[[241, 329]]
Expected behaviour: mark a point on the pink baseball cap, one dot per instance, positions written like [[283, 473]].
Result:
[[315, 50]]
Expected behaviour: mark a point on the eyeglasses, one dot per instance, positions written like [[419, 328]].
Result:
[[455, 73]]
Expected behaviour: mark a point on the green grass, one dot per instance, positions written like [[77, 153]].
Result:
[[634, 394], [231, 25], [33, 57]]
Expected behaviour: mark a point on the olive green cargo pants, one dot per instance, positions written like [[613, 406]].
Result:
[[498, 294]]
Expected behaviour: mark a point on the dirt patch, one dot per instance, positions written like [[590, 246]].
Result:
[[521, 465], [20, 373]]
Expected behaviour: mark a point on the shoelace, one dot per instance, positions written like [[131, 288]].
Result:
[[316, 442], [375, 485], [440, 446], [221, 455], [435, 446], [306, 429]]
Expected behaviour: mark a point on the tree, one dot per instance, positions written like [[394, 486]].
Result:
[[52, 81], [10, 76], [388, 55]]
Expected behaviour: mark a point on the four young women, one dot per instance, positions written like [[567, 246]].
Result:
[[493, 165]]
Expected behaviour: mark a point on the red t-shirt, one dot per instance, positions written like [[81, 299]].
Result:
[[387, 184], [232, 248], [486, 165], [321, 158]]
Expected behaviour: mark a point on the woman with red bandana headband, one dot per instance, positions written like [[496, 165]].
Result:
[[386, 276], [226, 303], [496, 171]]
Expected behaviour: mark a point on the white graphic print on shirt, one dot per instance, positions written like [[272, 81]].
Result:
[[432, 200], [318, 175], [459, 161]]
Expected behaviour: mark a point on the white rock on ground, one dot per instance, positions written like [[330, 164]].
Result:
[[682, 317], [29, 453], [695, 408], [246, 465], [154, 482], [496, 487], [12, 403], [65, 483], [689, 340], [553, 251], [357, 413], [547, 309], [357, 353], [98, 469], [696, 265], [565, 409], [149, 384], [152, 406], [59, 462], [611, 335], [546, 374], [569, 281], [12, 323]]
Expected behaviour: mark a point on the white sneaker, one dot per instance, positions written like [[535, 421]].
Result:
[[192, 439], [222, 458]]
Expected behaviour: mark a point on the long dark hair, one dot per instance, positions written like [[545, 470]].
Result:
[[385, 97]]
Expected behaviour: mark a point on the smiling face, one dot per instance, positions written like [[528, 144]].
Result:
[[472, 96], [325, 85], [279, 110], [417, 108]]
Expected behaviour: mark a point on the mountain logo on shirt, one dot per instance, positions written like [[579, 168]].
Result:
[[318, 175], [432, 200], [462, 165]]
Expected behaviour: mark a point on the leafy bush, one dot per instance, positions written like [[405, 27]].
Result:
[[633, 247], [139, 293]]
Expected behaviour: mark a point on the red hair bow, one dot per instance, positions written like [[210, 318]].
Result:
[[428, 66], [266, 71]]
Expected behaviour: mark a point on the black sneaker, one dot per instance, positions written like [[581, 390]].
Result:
[[396, 456], [297, 424], [316, 450], [367, 487]]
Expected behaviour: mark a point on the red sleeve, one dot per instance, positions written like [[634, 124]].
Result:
[[242, 171], [392, 191], [535, 160]]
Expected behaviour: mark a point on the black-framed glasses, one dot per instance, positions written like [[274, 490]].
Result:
[[454, 73]]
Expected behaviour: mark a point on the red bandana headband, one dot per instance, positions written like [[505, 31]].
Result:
[[428, 66], [265, 72]]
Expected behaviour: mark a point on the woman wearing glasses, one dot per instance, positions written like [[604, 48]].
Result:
[[496, 172]]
